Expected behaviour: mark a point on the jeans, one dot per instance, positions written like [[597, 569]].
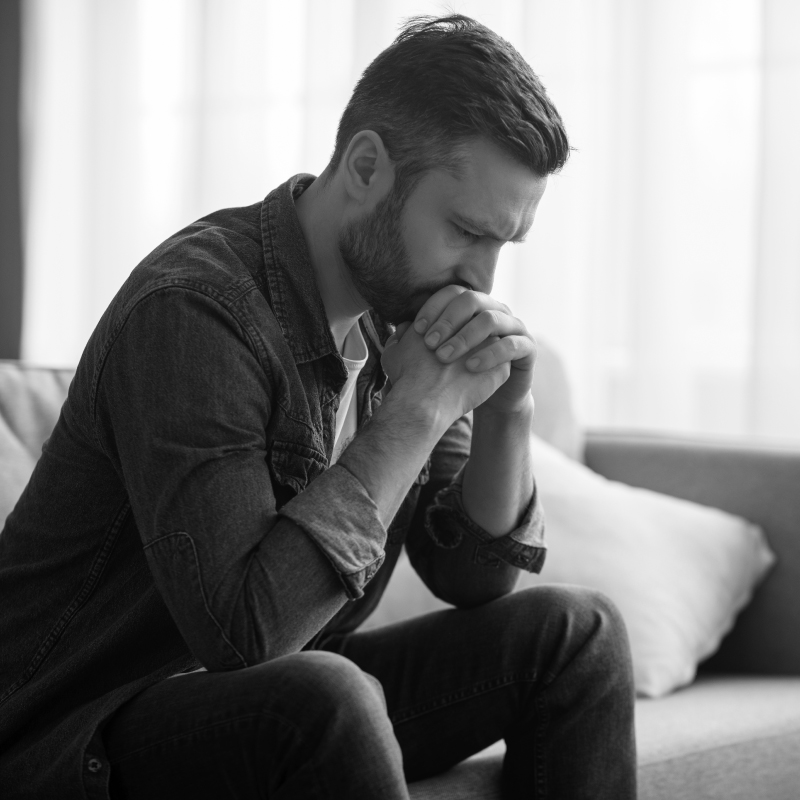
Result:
[[547, 669]]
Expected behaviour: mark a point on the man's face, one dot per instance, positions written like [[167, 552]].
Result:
[[449, 231]]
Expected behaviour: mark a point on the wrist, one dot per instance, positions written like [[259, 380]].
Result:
[[515, 415], [416, 412], [387, 453]]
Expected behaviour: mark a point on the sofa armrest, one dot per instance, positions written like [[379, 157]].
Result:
[[760, 483]]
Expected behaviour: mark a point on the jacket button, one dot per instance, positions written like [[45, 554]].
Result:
[[94, 765]]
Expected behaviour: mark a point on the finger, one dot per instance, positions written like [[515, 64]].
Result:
[[454, 315], [517, 350], [434, 306], [458, 313], [487, 323]]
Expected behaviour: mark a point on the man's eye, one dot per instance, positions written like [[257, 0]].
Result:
[[466, 234]]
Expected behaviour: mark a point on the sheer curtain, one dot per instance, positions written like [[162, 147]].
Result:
[[665, 259]]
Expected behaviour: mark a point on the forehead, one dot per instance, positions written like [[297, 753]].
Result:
[[491, 188]]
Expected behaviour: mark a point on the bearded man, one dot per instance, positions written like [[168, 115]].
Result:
[[248, 444]]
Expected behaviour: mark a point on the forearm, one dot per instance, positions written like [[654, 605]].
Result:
[[389, 452], [498, 477], [290, 589]]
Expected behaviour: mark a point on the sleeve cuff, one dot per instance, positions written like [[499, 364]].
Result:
[[446, 522], [336, 511]]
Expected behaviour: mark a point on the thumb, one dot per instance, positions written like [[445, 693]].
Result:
[[401, 330], [398, 333]]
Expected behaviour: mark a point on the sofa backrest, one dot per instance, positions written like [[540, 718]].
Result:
[[30, 402], [31, 398]]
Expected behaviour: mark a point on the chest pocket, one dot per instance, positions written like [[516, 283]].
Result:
[[292, 467]]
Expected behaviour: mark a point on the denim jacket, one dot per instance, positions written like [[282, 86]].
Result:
[[200, 420]]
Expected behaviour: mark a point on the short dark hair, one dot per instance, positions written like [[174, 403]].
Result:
[[443, 81]]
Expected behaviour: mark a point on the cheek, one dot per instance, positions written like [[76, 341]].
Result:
[[430, 252]]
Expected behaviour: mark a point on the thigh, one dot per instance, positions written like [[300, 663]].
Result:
[[458, 680], [455, 680], [273, 730]]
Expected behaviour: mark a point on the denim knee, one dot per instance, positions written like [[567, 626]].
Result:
[[327, 685], [576, 617], [583, 606]]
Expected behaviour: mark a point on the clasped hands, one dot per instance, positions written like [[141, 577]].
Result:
[[464, 350]]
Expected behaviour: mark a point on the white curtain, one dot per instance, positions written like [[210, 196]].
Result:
[[665, 259]]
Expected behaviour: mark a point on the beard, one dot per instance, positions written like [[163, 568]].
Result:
[[380, 268]]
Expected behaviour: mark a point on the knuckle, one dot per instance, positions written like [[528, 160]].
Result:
[[430, 311], [487, 319], [460, 341], [450, 291], [472, 298], [444, 324], [460, 295]]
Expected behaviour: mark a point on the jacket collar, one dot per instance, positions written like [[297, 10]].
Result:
[[291, 281]]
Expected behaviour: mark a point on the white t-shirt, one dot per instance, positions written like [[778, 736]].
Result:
[[354, 354]]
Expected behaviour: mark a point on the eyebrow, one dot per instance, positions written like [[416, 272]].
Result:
[[484, 229]]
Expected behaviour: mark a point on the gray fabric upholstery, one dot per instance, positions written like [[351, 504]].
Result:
[[477, 778], [555, 420], [757, 482], [723, 738], [30, 401]]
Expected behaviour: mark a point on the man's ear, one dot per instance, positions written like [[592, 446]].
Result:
[[368, 173]]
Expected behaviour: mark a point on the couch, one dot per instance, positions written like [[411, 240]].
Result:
[[735, 731], [733, 734]]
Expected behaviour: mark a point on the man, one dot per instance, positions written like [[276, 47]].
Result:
[[245, 449]]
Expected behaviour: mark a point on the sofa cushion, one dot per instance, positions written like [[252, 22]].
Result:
[[477, 778], [16, 465], [30, 401], [737, 737], [555, 421], [723, 738], [678, 571]]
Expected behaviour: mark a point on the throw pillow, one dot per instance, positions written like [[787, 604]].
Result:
[[555, 419], [679, 572], [16, 465]]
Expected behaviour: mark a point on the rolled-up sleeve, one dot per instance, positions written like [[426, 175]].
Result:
[[354, 544], [447, 523], [458, 560]]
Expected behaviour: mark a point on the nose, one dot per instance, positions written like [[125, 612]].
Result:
[[478, 272]]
